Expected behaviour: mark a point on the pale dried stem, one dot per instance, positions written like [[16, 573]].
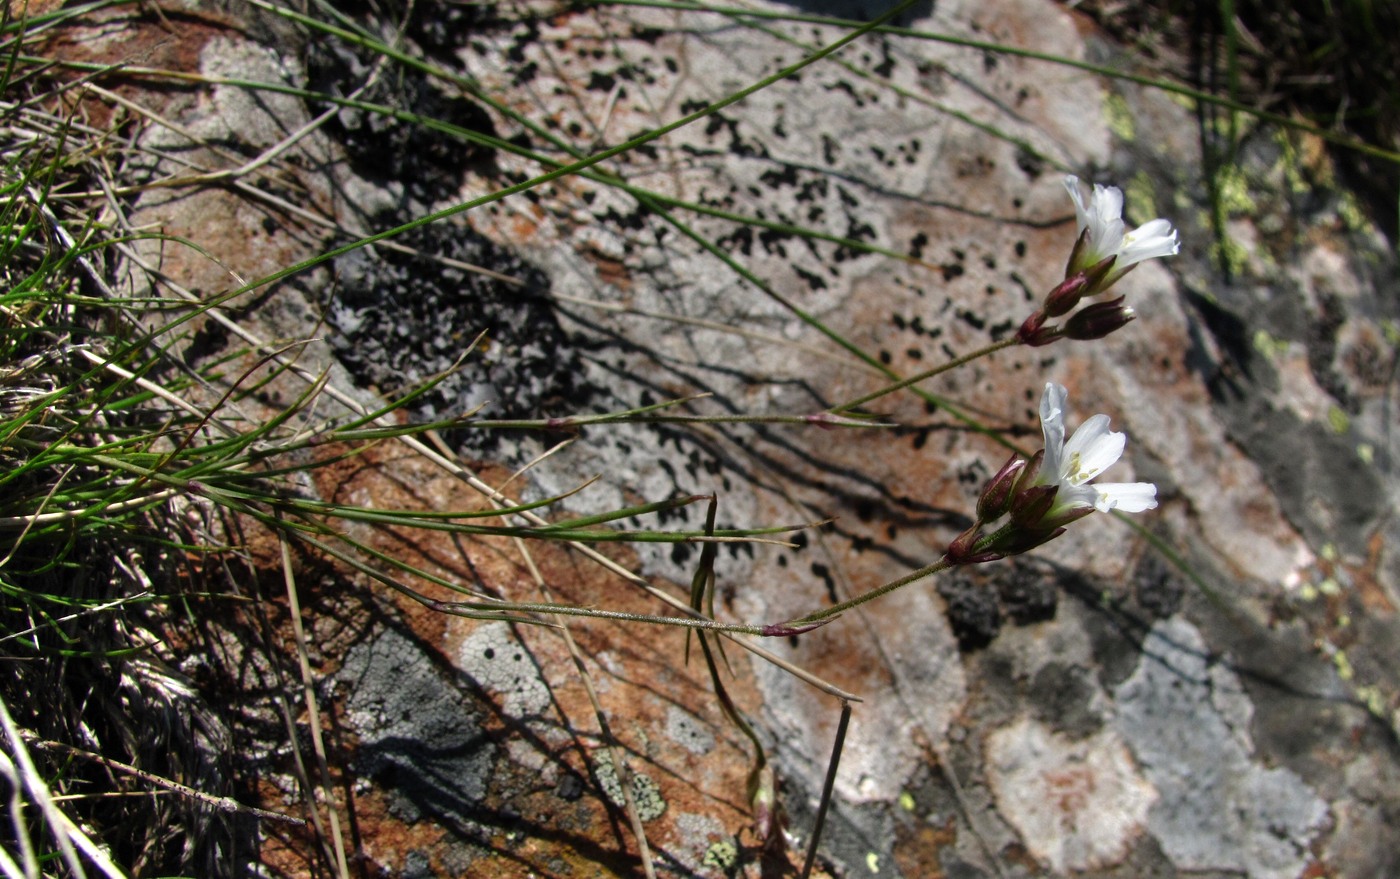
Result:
[[68, 836], [624, 773], [223, 804], [336, 845]]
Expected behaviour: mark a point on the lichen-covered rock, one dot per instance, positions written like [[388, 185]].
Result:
[[1207, 688]]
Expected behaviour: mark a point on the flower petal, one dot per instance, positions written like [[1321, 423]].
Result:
[[1092, 450], [1130, 497], [1104, 234], [1074, 497], [1149, 241], [1066, 469], [1052, 424], [1106, 204], [1081, 214]]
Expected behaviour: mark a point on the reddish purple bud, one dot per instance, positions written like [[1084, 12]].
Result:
[[1098, 320], [960, 550], [1064, 517], [764, 797], [997, 494], [1025, 541], [1030, 474], [1035, 333], [1098, 273], [779, 630], [1030, 505], [1072, 267], [978, 558], [1043, 338], [1066, 295]]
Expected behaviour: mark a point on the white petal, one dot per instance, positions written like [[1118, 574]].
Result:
[[1052, 424], [1074, 497], [1130, 497], [1092, 450], [1149, 241], [1106, 219], [1107, 203], [1080, 213]]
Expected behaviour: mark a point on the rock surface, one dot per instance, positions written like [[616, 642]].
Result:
[[1206, 690]]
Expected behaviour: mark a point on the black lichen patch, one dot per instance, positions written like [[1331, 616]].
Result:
[[1027, 593], [972, 610], [1063, 697], [393, 147], [980, 598], [403, 318], [1158, 589]]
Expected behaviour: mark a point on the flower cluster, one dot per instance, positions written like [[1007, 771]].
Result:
[[1043, 495], [1038, 497], [1103, 253]]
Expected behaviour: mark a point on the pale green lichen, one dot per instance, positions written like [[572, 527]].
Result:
[[1343, 664], [1232, 189], [1118, 117], [645, 791], [1338, 420], [1350, 213], [1139, 198], [1366, 452], [1182, 100], [1229, 254], [1271, 348], [1391, 331], [721, 855], [1290, 164], [1372, 698]]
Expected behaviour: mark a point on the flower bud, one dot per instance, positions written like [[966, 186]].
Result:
[[1098, 277], [1076, 256], [1098, 320], [1018, 542], [1066, 295], [1031, 504], [996, 495], [960, 550], [977, 558], [1030, 474], [1061, 518], [1044, 337], [763, 796], [1035, 333]]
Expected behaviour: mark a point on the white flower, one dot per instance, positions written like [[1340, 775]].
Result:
[[1103, 217], [1070, 465]]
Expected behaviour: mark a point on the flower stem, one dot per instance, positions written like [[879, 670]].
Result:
[[926, 571], [928, 373]]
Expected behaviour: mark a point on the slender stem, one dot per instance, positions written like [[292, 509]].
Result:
[[926, 571], [472, 608], [822, 419], [827, 786], [928, 373]]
